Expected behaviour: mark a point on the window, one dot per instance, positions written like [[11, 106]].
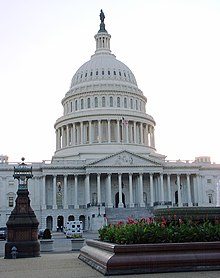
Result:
[[71, 106], [103, 72], [118, 102], [108, 72], [119, 73], [114, 72], [209, 180], [111, 101], [131, 102], [125, 103], [82, 103], [124, 74], [97, 72], [11, 202], [210, 197], [96, 102], [136, 104], [86, 74], [76, 105], [103, 101], [91, 73], [88, 102]]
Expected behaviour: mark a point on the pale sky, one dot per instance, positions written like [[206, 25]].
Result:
[[172, 47]]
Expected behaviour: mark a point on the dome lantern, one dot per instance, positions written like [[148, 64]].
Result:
[[102, 38]]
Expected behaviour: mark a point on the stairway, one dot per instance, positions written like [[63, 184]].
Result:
[[114, 215]]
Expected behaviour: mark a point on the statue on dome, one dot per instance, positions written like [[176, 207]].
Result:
[[102, 16]]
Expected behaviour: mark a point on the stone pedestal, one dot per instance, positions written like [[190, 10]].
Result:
[[22, 229]]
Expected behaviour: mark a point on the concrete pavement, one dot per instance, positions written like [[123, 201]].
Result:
[[67, 265]]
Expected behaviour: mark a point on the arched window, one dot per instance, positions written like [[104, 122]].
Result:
[[76, 105], [103, 101], [96, 102], [118, 102], [82, 103], [125, 103], [131, 102], [88, 102], [111, 101]]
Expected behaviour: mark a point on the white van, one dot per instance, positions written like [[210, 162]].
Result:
[[74, 228]]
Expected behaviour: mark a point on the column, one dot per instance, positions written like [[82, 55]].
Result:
[[63, 137], [120, 204], [126, 132], [199, 189], [118, 131], [109, 131], [131, 199], [161, 189], [81, 133], [147, 141], [151, 191], [141, 132], [99, 132], [74, 135], [67, 135], [98, 189], [87, 190], [141, 197], [54, 192], [153, 137], [43, 192], [65, 205], [57, 139], [179, 192], [76, 192], [135, 133], [109, 192], [90, 132], [188, 190], [169, 189]]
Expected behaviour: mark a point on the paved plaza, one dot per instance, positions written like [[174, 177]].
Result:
[[67, 265]]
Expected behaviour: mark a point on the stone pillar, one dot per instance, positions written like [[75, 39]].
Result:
[[141, 132], [43, 192], [74, 135], [98, 189], [199, 189], [141, 197], [118, 131], [54, 192], [179, 192], [126, 132], [135, 133], [161, 189], [188, 190], [90, 132], [169, 189], [99, 132], [120, 204], [151, 191], [87, 190], [109, 131], [63, 137], [131, 199], [147, 141], [81, 134], [109, 192], [67, 136], [76, 206], [65, 192]]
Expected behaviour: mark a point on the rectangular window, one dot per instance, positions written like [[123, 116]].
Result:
[[209, 180]]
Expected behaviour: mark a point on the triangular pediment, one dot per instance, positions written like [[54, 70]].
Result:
[[125, 158]]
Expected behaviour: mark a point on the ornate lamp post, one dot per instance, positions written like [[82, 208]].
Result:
[[22, 223]]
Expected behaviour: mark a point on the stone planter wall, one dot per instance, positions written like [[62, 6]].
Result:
[[46, 245], [112, 259], [77, 243]]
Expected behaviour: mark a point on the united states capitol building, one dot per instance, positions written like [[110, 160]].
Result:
[[105, 164]]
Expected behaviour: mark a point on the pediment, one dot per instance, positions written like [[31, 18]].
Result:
[[125, 158]]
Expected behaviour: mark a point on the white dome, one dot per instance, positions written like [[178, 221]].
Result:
[[103, 67]]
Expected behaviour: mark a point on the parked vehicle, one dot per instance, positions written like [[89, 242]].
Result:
[[3, 233], [74, 228]]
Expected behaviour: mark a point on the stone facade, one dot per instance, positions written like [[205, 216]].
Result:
[[105, 154]]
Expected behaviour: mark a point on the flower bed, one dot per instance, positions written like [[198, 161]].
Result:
[[155, 245]]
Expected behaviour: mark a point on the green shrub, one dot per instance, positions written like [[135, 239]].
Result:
[[47, 234], [161, 230]]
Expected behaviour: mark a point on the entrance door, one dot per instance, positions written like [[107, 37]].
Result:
[[60, 223], [117, 199]]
